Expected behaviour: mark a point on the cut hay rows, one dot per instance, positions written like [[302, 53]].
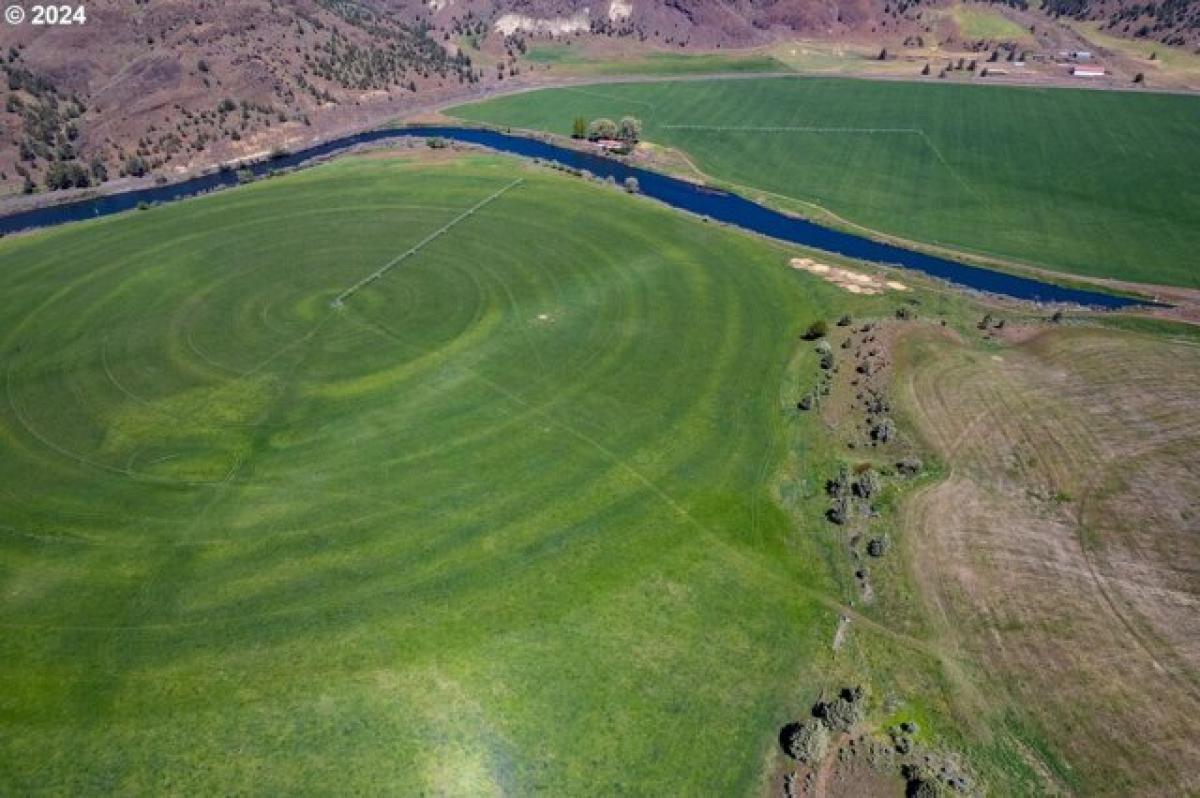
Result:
[[1058, 552]]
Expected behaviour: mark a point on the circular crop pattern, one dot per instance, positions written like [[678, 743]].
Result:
[[221, 466]]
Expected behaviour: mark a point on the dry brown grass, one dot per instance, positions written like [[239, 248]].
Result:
[[1061, 554]]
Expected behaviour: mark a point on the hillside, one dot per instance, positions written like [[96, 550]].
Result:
[[166, 88], [1174, 22], [176, 86]]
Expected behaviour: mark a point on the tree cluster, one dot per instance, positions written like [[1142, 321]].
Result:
[[628, 130]]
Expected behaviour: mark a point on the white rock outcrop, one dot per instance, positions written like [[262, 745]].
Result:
[[579, 22]]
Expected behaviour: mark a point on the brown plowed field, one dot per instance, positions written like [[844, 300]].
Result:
[[1060, 552]]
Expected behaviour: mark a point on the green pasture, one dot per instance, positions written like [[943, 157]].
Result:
[[506, 522], [1088, 182], [979, 21], [567, 58]]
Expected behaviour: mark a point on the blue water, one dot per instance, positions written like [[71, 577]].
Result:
[[718, 205]]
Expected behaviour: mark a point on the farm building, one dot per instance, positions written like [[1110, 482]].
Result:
[[1087, 72]]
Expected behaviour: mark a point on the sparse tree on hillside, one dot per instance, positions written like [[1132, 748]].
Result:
[[62, 175], [925, 71], [98, 169], [883, 54], [135, 166]]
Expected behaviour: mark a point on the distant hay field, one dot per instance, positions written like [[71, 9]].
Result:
[[1088, 182]]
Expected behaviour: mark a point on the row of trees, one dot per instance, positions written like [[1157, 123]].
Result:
[[629, 129]]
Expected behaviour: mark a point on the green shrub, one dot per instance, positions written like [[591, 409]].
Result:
[[845, 711], [135, 166], [807, 742], [602, 129], [867, 484], [818, 329]]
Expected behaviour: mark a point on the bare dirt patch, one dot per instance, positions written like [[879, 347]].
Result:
[[847, 279], [856, 779]]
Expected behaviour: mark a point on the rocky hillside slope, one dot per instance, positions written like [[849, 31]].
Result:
[[167, 87], [1175, 22]]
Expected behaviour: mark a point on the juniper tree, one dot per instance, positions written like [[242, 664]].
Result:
[[807, 741]]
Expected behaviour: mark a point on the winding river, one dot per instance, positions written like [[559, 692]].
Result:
[[718, 205]]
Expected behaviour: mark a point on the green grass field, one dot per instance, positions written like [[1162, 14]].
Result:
[[504, 523], [533, 511], [1087, 182], [981, 22], [565, 58]]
